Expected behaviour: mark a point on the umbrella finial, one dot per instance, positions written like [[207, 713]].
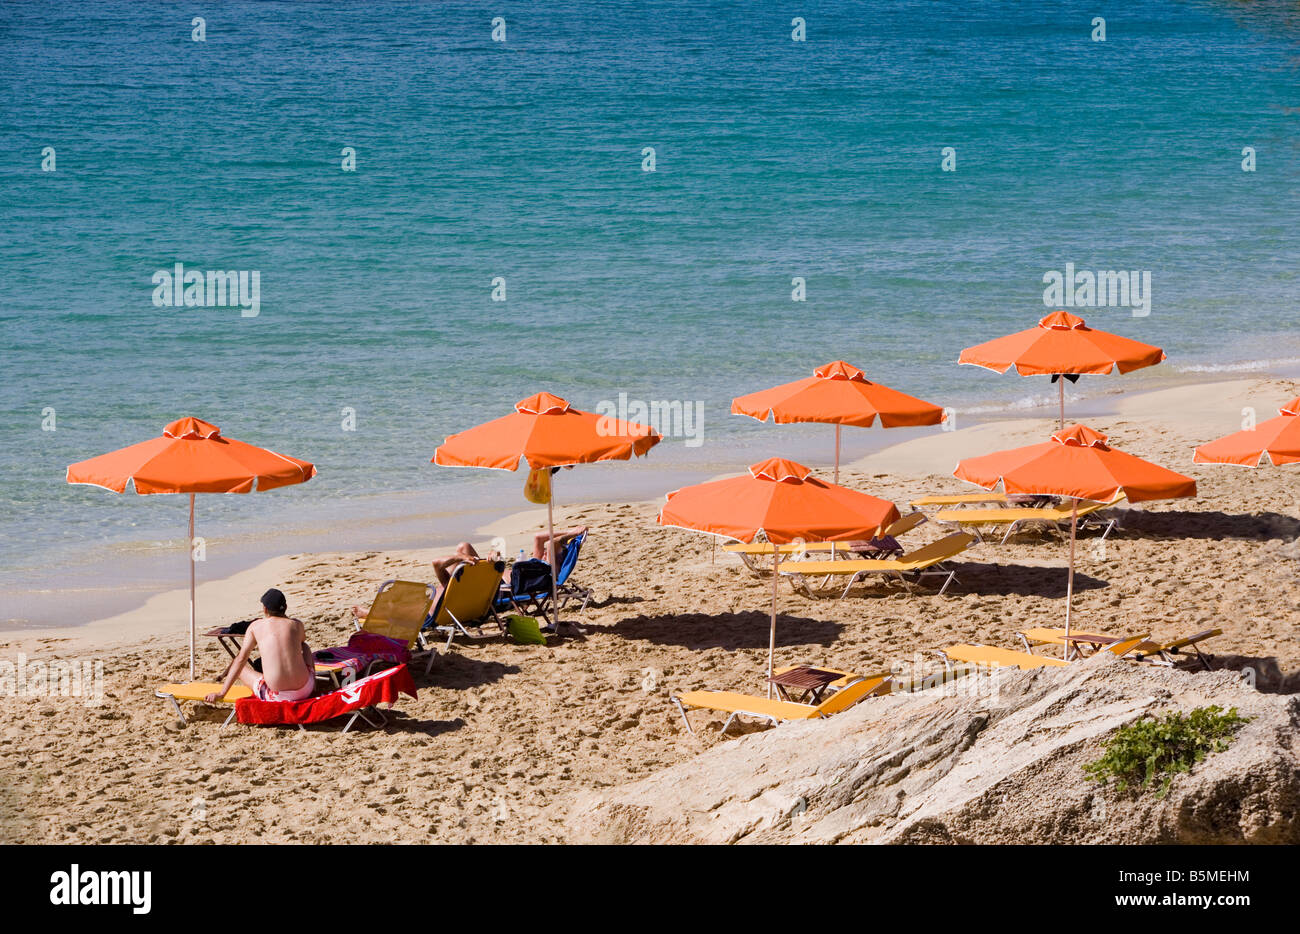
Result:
[[191, 429], [780, 470], [543, 403], [838, 369], [1081, 436], [1062, 321]]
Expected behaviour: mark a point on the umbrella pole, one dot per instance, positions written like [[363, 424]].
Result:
[[1060, 385], [1069, 585], [190, 547], [555, 569], [837, 483], [771, 639], [837, 453]]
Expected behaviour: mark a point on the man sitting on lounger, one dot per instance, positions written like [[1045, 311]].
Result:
[[288, 670]]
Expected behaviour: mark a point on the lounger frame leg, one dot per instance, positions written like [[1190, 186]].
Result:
[[685, 719], [175, 706], [852, 580]]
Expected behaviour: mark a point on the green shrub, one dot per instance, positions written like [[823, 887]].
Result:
[[1156, 749]]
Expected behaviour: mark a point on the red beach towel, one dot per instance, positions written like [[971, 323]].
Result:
[[383, 687]]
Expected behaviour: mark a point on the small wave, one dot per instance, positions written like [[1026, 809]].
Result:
[[1245, 366]]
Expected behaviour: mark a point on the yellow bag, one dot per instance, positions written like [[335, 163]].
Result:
[[537, 488]]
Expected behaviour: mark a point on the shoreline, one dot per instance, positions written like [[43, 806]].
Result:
[[162, 614]]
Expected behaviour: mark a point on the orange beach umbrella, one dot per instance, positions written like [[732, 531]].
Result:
[[1277, 439], [544, 431], [1062, 346], [1078, 463], [837, 394], [191, 457], [782, 502]]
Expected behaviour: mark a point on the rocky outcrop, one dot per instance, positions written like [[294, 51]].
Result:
[[992, 759]]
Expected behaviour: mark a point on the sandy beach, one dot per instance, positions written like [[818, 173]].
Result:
[[504, 738]]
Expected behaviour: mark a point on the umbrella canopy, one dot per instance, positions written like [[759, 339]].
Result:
[[781, 501], [837, 394], [1078, 463], [191, 457], [1277, 440], [544, 431], [1062, 345]]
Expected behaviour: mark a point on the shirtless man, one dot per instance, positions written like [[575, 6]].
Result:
[[288, 670]]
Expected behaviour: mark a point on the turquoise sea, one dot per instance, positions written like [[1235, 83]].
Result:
[[523, 159]]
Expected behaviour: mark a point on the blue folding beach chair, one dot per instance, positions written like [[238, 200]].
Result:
[[530, 583]]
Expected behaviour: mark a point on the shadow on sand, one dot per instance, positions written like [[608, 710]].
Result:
[[1023, 580], [457, 671], [1268, 676], [729, 631], [1187, 523]]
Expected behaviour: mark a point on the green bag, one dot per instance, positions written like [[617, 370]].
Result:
[[525, 629]]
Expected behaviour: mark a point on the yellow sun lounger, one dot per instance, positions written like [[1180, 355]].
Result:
[[1054, 517], [197, 692], [959, 499], [467, 601], [753, 554], [399, 610], [779, 711], [910, 568], [994, 657], [1148, 650]]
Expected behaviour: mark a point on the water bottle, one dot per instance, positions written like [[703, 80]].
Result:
[[521, 555]]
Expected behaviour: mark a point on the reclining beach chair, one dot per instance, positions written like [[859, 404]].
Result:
[[778, 711], [910, 569], [960, 499], [1165, 653], [467, 602], [397, 614], [994, 657], [530, 583], [757, 557], [360, 698], [1055, 518]]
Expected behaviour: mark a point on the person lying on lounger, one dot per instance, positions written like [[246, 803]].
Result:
[[288, 670], [443, 568], [560, 538]]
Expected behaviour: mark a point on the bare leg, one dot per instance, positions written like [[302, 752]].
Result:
[[250, 677], [561, 538], [443, 568]]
